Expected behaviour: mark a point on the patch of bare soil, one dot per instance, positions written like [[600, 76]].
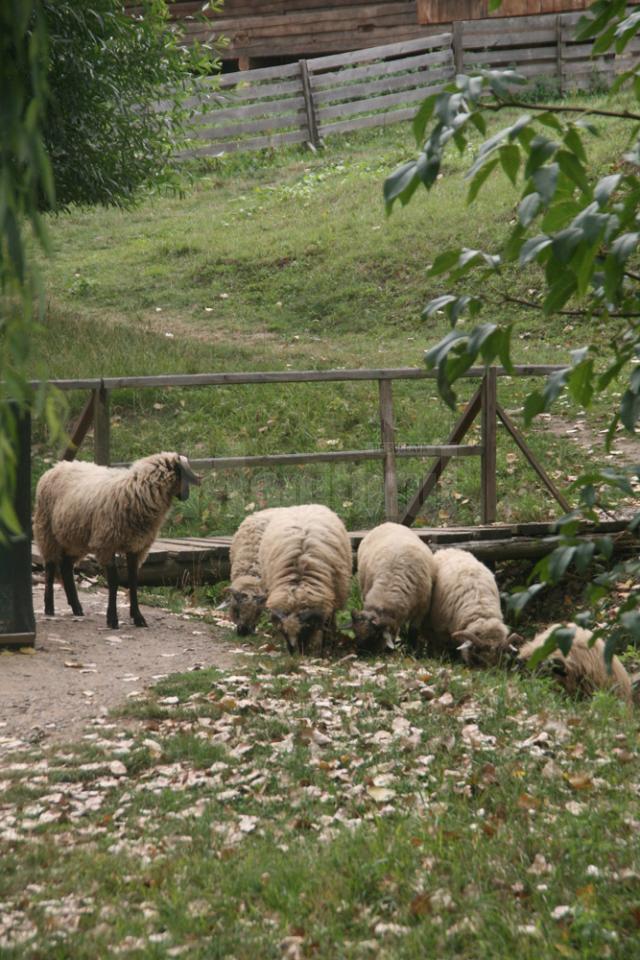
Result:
[[624, 449], [80, 668]]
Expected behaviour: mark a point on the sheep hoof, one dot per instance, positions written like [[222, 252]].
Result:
[[48, 610], [139, 620], [112, 622], [77, 611]]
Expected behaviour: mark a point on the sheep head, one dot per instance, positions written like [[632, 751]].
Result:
[[372, 631], [484, 643], [245, 609], [185, 478], [303, 631]]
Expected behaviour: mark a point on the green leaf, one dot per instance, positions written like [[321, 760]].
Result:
[[630, 410], [560, 292], [533, 405], [533, 247], [528, 208], [572, 168], [444, 262], [605, 187], [545, 181], [423, 116], [483, 173]]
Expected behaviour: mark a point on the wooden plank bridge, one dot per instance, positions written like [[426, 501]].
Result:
[[189, 561]]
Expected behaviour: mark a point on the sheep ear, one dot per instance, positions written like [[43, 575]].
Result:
[[187, 478], [389, 640]]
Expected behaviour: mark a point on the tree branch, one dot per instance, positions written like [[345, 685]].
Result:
[[546, 108], [566, 313]]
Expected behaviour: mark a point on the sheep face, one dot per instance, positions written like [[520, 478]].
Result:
[[485, 643], [372, 633], [303, 631], [245, 609], [185, 478]]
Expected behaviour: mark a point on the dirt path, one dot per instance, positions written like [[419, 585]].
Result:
[[81, 668]]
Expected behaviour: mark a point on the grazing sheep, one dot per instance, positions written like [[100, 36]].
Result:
[[584, 669], [246, 595], [85, 508], [395, 572], [305, 560], [465, 610]]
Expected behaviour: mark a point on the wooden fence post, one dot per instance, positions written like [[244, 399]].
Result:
[[312, 125], [489, 432], [387, 432], [458, 45], [101, 427], [559, 54], [80, 428]]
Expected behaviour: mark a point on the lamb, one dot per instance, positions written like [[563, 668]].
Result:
[[583, 670], [395, 572], [85, 508], [246, 596], [305, 559], [465, 613]]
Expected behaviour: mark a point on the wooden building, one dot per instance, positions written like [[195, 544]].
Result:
[[267, 32], [446, 11]]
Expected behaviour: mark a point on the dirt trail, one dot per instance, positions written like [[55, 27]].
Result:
[[81, 668]]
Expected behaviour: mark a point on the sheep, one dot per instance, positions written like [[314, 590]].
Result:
[[305, 560], [85, 508], [395, 573], [583, 670], [246, 596], [465, 613]]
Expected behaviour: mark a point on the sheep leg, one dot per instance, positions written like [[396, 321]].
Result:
[[414, 639], [112, 607], [50, 573], [134, 609], [69, 584]]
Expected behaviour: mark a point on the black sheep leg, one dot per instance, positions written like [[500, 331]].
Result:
[[112, 608], [69, 584], [50, 573], [134, 609]]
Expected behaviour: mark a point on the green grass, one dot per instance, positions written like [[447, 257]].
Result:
[[391, 809], [288, 261]]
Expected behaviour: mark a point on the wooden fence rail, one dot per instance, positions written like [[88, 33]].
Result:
[[305, 101], [484, 403]]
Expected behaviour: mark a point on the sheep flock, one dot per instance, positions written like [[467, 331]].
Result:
[[294, 565]]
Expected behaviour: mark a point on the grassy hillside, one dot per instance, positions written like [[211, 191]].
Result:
[[288, 261]]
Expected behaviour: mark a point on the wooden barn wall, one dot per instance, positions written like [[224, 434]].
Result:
[[270, 28], [445, 11]]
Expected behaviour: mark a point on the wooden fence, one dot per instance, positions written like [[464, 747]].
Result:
[[484, 403], [305, 101]]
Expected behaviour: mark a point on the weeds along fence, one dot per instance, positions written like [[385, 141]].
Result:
[[484, 404], [305, 101]]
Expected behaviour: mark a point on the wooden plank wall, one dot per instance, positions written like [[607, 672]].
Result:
[[445, 11], [258, 29]]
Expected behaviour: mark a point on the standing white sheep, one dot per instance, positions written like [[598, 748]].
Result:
[[305, 561], [85, 508], [583, 670], [246, 593], [465, 610], [395, 573]]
